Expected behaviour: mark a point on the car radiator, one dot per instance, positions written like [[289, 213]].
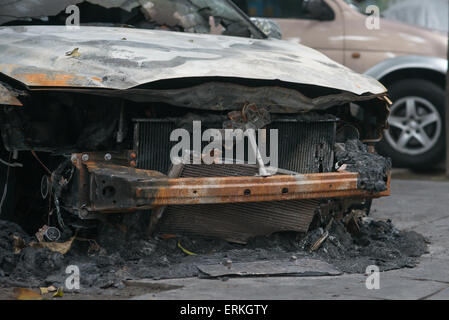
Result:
[[303, 147]]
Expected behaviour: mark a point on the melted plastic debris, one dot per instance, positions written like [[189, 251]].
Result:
[[121, 253], [372, 168]]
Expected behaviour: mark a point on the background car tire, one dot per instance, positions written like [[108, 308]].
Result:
[[424, 95]]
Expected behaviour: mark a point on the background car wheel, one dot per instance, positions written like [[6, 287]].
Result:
[[416, 138]]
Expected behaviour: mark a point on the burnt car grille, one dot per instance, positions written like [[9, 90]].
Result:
[[238, 222], [304, 147]]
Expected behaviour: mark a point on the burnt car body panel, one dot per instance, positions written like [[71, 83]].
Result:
[[118, 58]]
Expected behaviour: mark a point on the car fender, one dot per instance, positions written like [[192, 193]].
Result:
[[389, 66]]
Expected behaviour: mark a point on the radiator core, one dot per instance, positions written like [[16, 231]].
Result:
[[303, 147]]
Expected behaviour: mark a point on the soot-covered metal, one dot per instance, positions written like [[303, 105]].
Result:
[[91, 121]]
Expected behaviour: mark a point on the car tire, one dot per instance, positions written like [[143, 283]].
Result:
[[416, 138]]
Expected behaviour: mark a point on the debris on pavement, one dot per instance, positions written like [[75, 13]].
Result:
[[61, 247], [45, 290], [26, 294], [19, 244], [59, 293], [127, 255], [318, 243], [303, 267], [185, 250], [45, 293], [227, 263]]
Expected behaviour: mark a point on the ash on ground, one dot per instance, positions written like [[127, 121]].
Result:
[[122, 253]]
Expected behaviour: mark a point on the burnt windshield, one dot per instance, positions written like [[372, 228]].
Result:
[[196, 16]]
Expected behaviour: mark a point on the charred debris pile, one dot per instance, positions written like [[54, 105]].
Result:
[[120, 252]]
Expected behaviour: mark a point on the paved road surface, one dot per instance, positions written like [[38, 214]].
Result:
[[422, 206]]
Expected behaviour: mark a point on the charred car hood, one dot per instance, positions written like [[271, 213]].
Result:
[[119, 58]]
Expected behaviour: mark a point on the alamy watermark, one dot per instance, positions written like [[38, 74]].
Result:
[[372, 22], [72, 282], [373, 277], [227, 139], [72, 22]]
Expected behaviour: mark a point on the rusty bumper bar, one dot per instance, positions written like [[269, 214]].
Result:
[[109, 188]]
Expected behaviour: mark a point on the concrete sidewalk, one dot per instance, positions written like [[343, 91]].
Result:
[[422, 206]]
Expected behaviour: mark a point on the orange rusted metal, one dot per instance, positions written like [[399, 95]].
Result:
[[51, 80], [121, 188], [253, 189], [47, 78], [93, 158]]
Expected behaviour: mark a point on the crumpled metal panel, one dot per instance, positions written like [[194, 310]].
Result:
[[119, 58]]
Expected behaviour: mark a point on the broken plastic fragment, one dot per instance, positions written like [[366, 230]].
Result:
[[319, 242], [58, 294], [45, 290], [19, 244], [185, 250], [61, 247], [40, 233], [73, 53]]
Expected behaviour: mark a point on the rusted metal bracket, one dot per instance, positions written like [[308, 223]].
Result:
[[80, 197], [115, 188]]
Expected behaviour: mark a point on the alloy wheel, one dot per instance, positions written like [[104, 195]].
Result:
[[415, 126]]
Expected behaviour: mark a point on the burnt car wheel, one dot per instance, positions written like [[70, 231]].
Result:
[[416, 135]]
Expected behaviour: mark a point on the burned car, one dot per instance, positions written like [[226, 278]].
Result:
[[91, 118]]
